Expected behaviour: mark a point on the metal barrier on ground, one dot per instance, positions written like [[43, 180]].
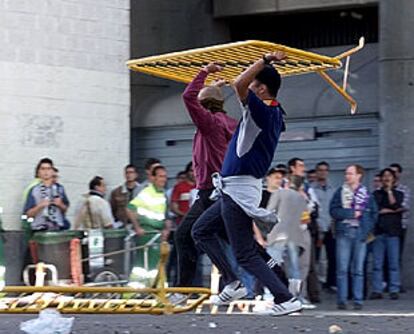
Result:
[[114, 300]]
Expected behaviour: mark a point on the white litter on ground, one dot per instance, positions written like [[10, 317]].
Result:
[[49, 322]]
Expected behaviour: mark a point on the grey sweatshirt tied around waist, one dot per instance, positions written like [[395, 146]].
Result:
[[246, 191]]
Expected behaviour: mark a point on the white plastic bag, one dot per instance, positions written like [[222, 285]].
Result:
[[49, 322]]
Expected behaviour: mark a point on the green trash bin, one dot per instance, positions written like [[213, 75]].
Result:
[[145, 261], [2, 262], [1, 250], [27, 228], [13, 250], [149, 256], [54, 248], [114, 240]]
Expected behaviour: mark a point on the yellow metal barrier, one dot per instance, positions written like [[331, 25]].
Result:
[[236, 57], [83, 299]]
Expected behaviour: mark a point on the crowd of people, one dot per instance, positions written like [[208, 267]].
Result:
[[318, 224], [265, 240], [351, 225]]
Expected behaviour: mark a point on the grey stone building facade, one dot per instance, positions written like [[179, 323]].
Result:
[[64, 94]]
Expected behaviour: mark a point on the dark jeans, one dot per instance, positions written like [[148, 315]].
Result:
[[330, 248], [401, 251], [350, 257], [402, 244], [386, 247], [171, 268], [312, 279], [247, 279], [223, 218], [187, 253]]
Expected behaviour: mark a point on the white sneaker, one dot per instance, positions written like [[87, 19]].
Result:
[[177, 298], [290, 306], [306, 304], [231, 292], [260, 306]]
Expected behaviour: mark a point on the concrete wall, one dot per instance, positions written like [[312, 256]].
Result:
[[64, 92], [164, 26], [226, 8], [396, 92]]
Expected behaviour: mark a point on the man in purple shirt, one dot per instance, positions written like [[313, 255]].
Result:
[[214, 130]]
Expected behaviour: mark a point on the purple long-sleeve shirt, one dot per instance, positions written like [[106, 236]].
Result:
[[214, 131]]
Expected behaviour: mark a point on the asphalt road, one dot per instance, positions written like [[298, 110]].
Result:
[[384, 316]]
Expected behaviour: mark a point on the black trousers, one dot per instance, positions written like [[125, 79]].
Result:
[[225, 217], [312, 279], [187, 253], [330, 246]]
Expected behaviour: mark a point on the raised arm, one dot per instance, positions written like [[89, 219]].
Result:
[[201, 117], [242, 82]]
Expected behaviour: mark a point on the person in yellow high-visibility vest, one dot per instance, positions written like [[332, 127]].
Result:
[[147, 211]]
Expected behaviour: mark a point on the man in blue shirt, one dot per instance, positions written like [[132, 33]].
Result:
[[248, 158], [47, 202]]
